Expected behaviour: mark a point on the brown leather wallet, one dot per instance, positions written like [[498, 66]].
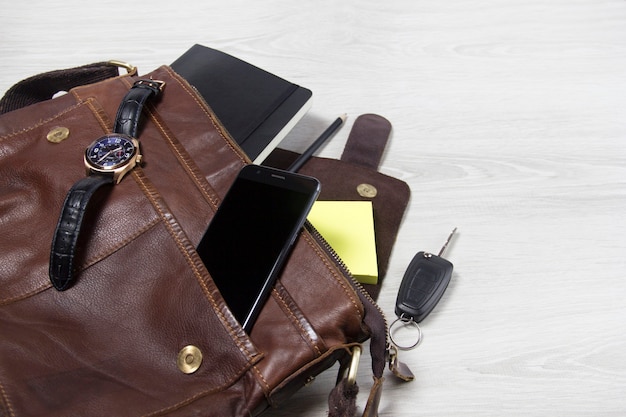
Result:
[[355, 177]]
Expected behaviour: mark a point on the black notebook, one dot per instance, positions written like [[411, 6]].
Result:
[[256, 107]]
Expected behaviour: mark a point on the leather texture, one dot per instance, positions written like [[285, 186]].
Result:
[[367, 141], [108, 345], [68, 228]]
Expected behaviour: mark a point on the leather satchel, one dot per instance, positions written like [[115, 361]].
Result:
[[143, 307]]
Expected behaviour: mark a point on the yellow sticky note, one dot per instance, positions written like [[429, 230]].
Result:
[[348, 226]]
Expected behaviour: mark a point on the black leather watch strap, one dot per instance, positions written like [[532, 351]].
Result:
[[68, 228], [129, 111]]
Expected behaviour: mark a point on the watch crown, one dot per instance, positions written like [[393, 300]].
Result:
[[139, 158]]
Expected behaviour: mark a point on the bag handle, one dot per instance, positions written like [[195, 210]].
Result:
[[44, 86]]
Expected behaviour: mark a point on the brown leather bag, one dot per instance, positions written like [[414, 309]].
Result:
[[143, 300]]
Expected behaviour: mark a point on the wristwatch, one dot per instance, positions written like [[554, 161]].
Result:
[[106, 160]]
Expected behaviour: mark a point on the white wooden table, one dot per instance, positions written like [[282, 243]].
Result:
[[509, 122]]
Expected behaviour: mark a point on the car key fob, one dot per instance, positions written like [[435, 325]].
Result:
[[423, 284]]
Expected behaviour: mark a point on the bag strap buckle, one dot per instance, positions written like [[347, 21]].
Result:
[[130, 69], [354, 365], [349, 371]]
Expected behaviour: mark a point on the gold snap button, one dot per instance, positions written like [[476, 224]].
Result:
[[366, 190], [189, 359], [58, 134]]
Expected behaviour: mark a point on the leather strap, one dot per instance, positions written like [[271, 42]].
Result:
[[129, 111], [367, 140], [44, 86], [68, 228]]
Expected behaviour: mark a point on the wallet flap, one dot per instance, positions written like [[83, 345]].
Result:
[[367, 141]]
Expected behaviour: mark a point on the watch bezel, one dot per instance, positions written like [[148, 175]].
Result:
[[119, 169]]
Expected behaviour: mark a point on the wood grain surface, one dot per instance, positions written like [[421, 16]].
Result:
[[509, 122]]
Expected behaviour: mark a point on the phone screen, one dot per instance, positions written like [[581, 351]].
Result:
[[251, 233]]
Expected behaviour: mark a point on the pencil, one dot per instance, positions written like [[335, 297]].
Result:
[[308, 153]]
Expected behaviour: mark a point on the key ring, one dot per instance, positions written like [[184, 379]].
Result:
[[407, 321]]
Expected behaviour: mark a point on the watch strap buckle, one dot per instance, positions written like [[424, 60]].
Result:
[[155, 85]]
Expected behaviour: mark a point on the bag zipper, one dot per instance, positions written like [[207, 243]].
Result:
[[330, 251]]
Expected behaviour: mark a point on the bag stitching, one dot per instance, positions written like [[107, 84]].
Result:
[[295, 320], [266, 386], [338, 277], [29, 294], [184, 159], [210, 116], [190, 400], [6, 401], [167, 221], [151, 193], [89, 102], [142, 181], [110, 250], [41, 122], [100, 116]]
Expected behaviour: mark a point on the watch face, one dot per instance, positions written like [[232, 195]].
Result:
[[110, 152]]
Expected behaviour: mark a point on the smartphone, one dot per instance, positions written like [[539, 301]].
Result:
[[251, 234]]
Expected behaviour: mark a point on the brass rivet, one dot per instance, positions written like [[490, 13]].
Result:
[[366, 190], [189, 359], [58, 134]]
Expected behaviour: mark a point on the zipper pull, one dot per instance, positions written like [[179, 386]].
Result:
[[399, 369]]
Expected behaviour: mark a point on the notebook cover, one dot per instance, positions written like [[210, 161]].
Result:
[[256, 107]]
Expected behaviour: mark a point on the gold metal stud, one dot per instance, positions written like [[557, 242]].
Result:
[[58, 134], [189, 359], [366, 190]]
